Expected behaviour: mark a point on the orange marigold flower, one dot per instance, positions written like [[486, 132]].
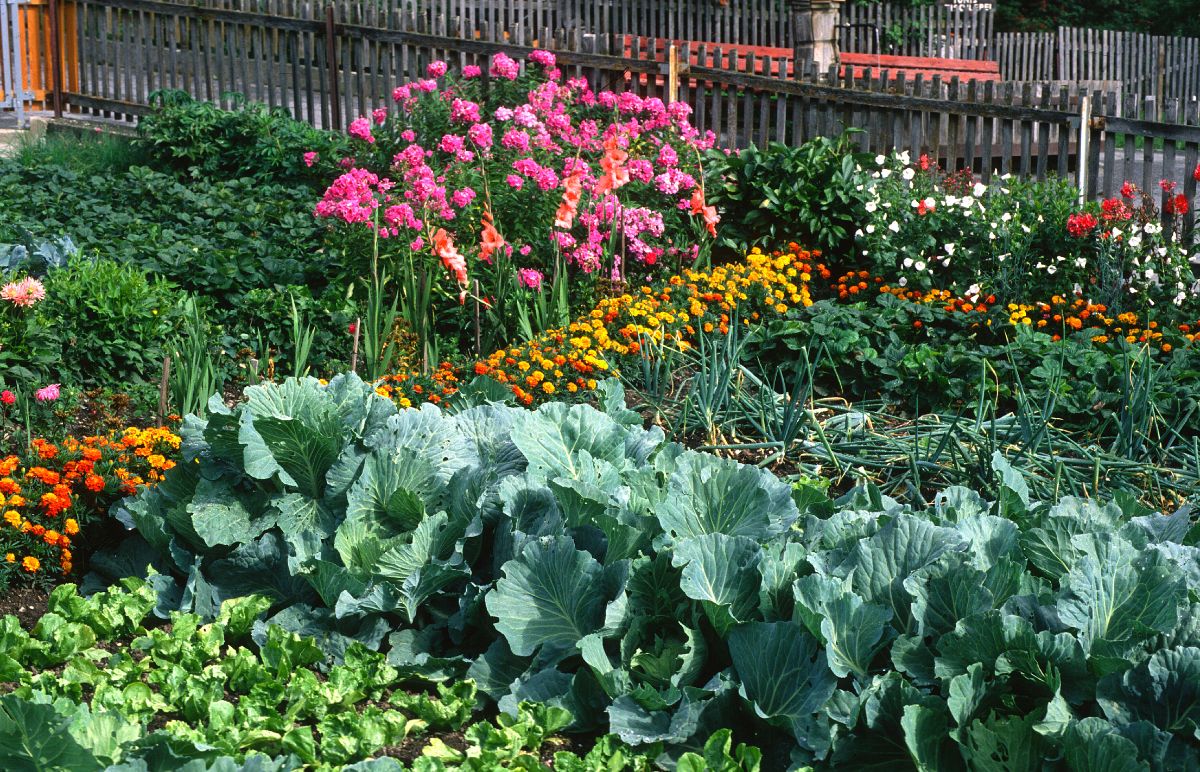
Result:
[[94, 483], [30, 563]]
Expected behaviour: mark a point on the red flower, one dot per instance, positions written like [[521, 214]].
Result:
[[1081, 224], [1115, 209], [7, 397], [352, 327], [1196, 174], [1178, 205], [1166, 185], [1128, 189]]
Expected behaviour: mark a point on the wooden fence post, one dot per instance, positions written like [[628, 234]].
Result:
[[331, 63], [672, 74], [56, 59], [1085, 136]]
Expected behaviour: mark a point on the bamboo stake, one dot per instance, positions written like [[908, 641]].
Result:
[[162, 390]]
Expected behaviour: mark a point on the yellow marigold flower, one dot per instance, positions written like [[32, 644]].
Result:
[[11, 558], [70, 526], [30, 563]]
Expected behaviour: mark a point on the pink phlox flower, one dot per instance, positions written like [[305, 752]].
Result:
[[531, 278], [545, 58], [504, 66], [481, 135], [361, 128]]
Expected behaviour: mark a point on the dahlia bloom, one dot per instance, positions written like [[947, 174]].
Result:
[[47, 393], [24, 293]]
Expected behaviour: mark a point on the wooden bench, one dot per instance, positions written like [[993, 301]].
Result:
[[926, 66], [655, 49], [753, 60]]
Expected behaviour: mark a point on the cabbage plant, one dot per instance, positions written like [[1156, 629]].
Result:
[[570, 556]]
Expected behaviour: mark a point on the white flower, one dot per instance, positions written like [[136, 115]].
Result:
[[919, 265], [858, 234], [908, 173], [907, 262], [1006, 177], [870, 228], [905, 158], [903, 281], [1041, 219], [871, 206], [1025, 228], [1005, 217], [930, 203], [951, 200], [880, 160], [966, 202], [1081, 262], [1162, 251], [979, 190], [885, 173], [894, 227], [914, 203], [973, 291], [1116, 233], [858, 188], [1052, 270], [949, 247]]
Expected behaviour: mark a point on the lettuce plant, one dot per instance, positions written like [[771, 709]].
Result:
[[570, 557]]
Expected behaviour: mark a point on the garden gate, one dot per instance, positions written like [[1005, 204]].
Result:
[[12, 78]]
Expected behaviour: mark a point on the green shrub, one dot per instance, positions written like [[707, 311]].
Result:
[[251, 140], [770, 196], [110, 320]]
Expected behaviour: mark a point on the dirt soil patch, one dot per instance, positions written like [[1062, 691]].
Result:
[[27, 604]]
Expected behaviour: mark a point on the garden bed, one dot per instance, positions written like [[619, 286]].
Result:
[[651, 456]]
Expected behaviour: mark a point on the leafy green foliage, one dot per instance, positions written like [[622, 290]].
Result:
[[220, 237], [770, 196], [111, 320], [233, 694], [571, 558], [250, 140]]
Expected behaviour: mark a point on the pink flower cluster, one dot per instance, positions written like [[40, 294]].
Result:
[[606, 180], [24, 293]]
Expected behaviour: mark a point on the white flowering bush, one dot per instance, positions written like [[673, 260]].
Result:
[[1020, 240]]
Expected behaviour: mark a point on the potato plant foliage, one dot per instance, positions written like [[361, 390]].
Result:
[[568, 556]]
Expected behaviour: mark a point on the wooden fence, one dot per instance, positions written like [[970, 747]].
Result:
[[949, 32], [327, 70], [33, 41], [1146, 65], [748, 22]]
